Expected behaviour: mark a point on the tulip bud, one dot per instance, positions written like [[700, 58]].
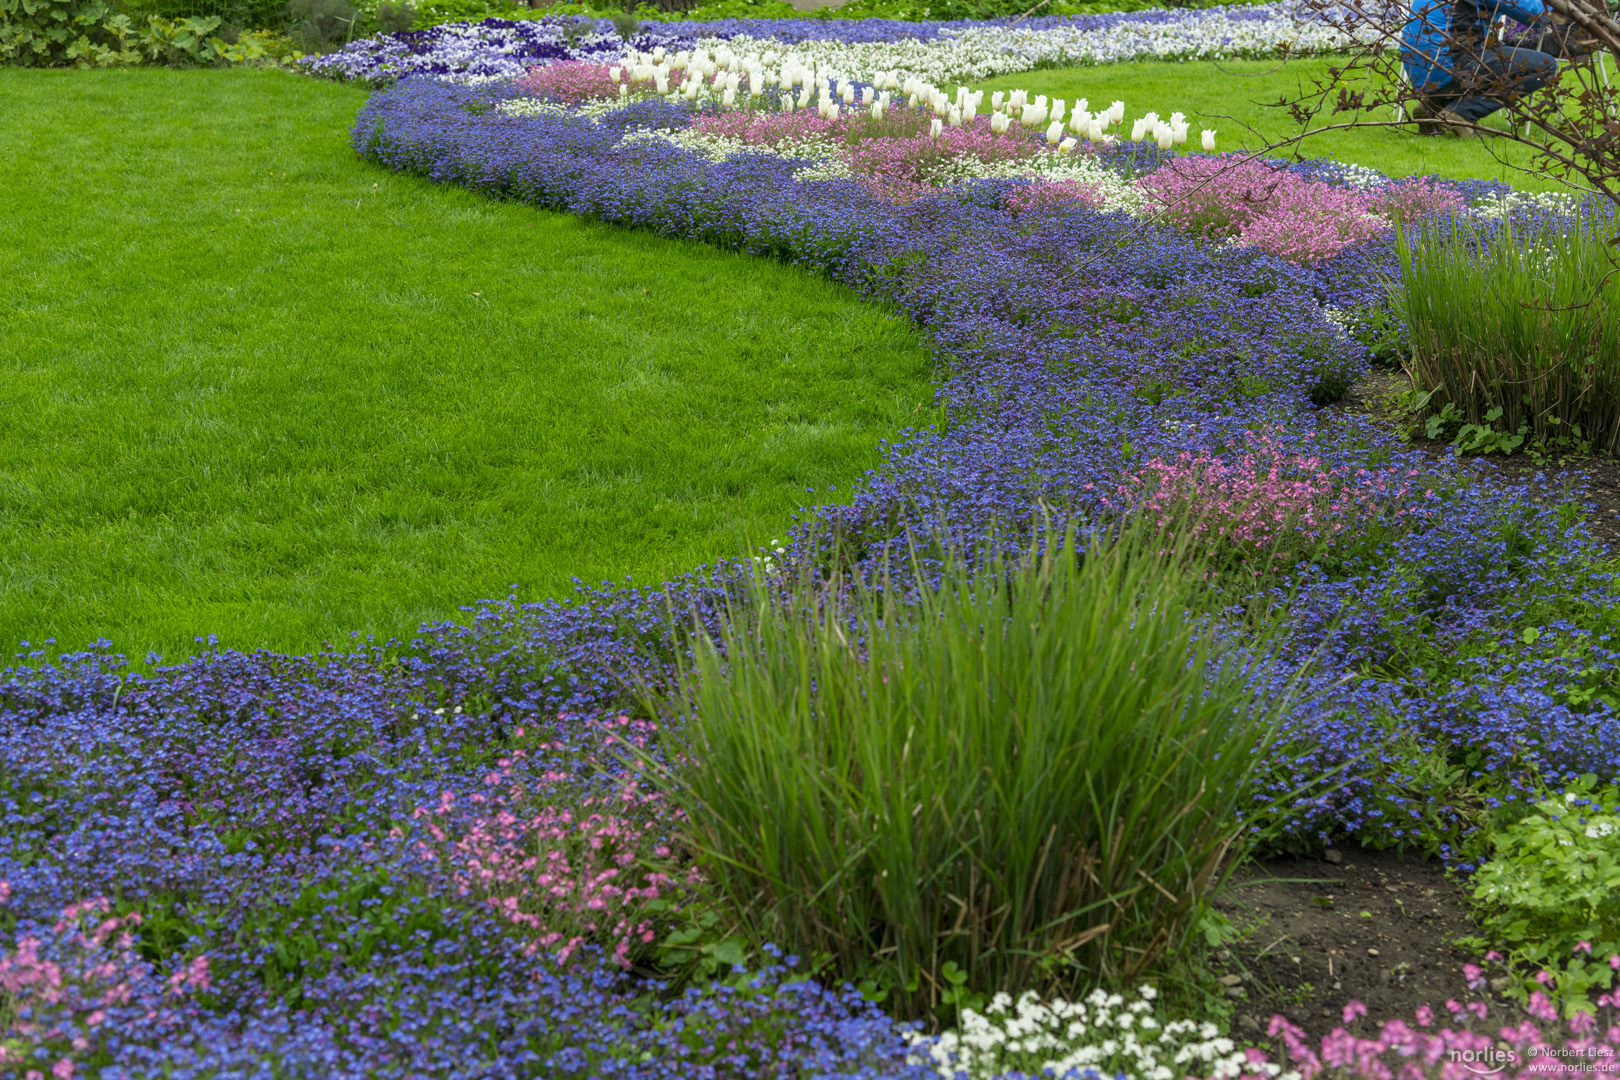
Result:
[[1209, 141], [624, 90]]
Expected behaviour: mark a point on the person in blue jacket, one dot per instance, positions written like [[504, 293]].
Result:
[[1458, 69]]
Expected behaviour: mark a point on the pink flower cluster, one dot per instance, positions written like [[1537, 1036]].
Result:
[[1267, 496], [58, 987], [1280, 212], [566, 873], [1400, 1052], [1048, 193], [571, 81], [895, 157]]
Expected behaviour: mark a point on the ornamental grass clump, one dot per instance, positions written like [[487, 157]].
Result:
[[1517, 327], [1023, 778]]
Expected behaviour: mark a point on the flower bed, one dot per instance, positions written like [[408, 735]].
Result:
[[429, 858], [937, 51]]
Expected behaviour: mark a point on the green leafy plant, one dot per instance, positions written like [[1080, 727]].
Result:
[[1484, 438], [1550, 895], [394, 16], [1542, 342], [1028, 776], [54, 33], [319, 26]]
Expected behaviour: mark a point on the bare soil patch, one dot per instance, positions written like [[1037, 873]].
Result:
[[1372, 927]]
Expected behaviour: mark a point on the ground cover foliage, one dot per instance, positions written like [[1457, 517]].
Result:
[[503, 397], [445, 856]]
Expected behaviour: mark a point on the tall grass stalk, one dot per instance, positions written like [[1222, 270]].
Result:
[[1030, 774], [1528, 322]]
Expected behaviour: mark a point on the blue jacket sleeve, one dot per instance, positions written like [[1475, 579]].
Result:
[[1525, 11]]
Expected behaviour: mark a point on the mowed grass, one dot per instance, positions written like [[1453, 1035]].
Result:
[[1232, 97], [257, 388]]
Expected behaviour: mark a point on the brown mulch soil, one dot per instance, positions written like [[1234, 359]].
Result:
[[1348, 925]]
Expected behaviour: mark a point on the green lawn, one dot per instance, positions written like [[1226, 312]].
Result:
[[255, 387], [1228, 95]]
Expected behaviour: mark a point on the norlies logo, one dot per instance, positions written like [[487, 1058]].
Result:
[[1486, 1062]]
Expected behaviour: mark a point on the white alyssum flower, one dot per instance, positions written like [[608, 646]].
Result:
[[1103, 1034]]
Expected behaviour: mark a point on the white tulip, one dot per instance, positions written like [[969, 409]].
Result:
[[1209, 141], [662, 82], [1082, 105], [1067, 145], [756, 81], [912, 101], [935, 126], [658, 55], [1164, 136], [614, 73], [868, 95], [624, 90], [1139, 131], [1094, 130], [954, 117], [995, 101], [877, 110], [1057, 108], [1054, 131], [832, 111], [1178, 132], [1116, 112], [728, 99]]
